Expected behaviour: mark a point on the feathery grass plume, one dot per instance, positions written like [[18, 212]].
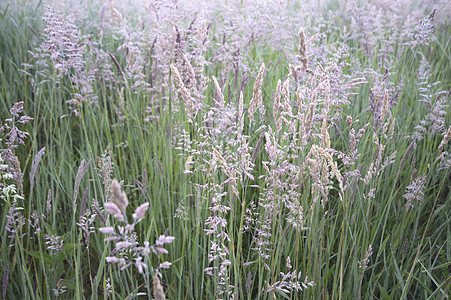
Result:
[[189, 161], [435, 99], [54, 244], [384, 108], [445, 140], [317, 165], [35, 166], [62, 42], [158, 292], [85, 223], [302, 49], [296, 73], [286, 114], [105, 171], [116, 16], [127, 250], [290, 282], [18, 173], [119, 198], [369, 175], [364, 263], [114, 210], [414, 192], [14, 219], [355, 82], [391, 130], [333, 166], [349, 121], [102, 15], [300, 104], [285, 90], [191, 72], [422, 33], [82, 169], [183, 91], [60, 289], [257, 100], [13, 137], [140, 211], [108, 288], [229, 171], [445, 161], [99, 214], [65, 47], [352, 173]]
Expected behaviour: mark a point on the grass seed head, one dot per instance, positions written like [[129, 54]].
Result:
[[119, 197], [158, 292]]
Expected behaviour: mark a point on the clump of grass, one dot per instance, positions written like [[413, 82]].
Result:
[[314, 168]]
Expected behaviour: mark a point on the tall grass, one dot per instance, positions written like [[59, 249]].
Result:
[[225, 150]]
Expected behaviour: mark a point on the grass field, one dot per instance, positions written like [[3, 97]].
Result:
[[225, 149]]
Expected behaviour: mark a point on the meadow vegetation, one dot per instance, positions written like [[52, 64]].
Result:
[[225, 149]]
